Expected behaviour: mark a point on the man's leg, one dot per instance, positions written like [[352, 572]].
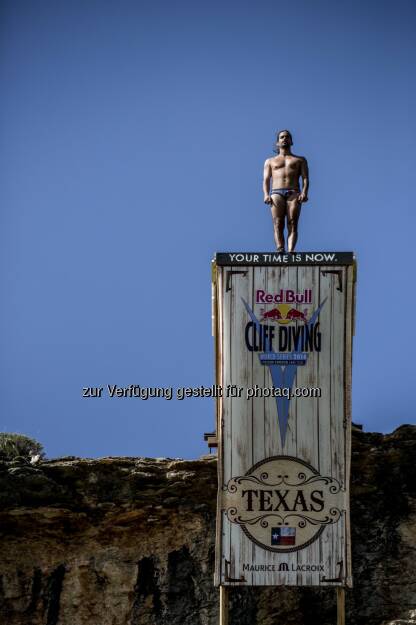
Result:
[[278, 208], [293, 213]]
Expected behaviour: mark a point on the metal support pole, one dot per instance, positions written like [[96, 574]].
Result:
[[223, 605], [340, 606]]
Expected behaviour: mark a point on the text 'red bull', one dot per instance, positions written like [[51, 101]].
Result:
[[284, 296]]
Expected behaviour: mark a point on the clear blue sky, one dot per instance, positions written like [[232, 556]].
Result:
[[132, 141]]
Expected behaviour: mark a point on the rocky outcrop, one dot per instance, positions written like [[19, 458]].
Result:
[[130, 541]]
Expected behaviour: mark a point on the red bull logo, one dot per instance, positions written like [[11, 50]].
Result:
[[284, 314], [284, 296]]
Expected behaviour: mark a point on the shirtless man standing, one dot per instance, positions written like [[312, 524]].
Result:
[[285, 197]]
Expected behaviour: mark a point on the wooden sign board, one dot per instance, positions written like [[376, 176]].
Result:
[[283, 326]]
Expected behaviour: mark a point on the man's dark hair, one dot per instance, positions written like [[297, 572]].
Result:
[[277, 138]]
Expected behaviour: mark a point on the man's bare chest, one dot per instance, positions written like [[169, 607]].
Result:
[[285, 164]]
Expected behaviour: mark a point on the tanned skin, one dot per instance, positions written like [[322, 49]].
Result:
[[284, 171]]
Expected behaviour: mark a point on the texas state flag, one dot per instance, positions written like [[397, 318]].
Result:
[[283, 535]]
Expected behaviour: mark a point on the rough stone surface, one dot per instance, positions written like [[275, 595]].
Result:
[[130, 541]]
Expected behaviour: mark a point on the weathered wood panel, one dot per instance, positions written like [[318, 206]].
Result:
[[283, 513]]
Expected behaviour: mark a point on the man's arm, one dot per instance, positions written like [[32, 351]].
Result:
[[304, 173], [267, 174]]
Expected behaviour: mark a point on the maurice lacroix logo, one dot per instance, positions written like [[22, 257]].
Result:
[[283, 337]]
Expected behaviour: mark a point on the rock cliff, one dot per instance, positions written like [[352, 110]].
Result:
[[130, 541]]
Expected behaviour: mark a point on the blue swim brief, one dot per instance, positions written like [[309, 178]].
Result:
[[283, 192]]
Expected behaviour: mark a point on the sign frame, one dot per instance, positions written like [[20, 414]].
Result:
[[339, 271]]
